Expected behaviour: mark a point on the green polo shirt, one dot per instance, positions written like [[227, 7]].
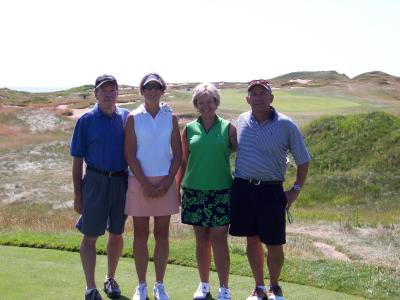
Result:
[[208, 165]]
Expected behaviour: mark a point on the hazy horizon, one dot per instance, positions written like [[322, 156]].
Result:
[[36, 89], [50, 89]]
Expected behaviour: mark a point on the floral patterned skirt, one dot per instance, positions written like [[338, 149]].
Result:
[[205, 208]]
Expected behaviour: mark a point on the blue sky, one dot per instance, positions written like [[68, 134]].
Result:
[[69, 43]]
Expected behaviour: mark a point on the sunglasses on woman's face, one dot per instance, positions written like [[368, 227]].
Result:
[[153, 85]]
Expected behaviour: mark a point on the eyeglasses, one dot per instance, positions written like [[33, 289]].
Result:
[[153, 85]]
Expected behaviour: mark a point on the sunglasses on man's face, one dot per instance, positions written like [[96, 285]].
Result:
[[153, 85]]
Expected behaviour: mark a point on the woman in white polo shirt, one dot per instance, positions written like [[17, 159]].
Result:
[[153, 152]]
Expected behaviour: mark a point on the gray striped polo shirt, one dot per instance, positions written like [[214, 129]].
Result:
[[263, 147]]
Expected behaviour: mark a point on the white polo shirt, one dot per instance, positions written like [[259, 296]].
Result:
[[153, 140]]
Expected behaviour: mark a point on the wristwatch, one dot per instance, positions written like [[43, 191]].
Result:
[[296, 187]]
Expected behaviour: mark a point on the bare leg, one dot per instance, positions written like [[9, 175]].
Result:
[[219, 242], [114, 250], [275, 260], [255, 255], [161, 249], [140, 250], [88, 258], [203, 252]]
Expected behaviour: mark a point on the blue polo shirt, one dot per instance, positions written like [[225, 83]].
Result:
[[99, 139]]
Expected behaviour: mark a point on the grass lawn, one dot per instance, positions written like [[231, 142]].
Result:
[[287, 102], [53, 274], [233, 102]]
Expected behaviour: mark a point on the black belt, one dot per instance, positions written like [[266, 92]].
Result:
[[257, 182], [109, 173]]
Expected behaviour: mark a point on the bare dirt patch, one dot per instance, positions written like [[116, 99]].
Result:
[[76, 112], [379, 245], [41, 119], [331, 252], [40, 174], [6, 129], [301, 81]]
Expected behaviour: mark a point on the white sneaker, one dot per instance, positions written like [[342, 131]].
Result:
[[141, 292], [159, 292], [202, 292], [224, 294]]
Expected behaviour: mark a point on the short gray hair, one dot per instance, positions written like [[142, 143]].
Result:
[[205, 89]]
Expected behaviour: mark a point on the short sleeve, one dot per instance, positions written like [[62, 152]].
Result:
[[298, 147], [78, 142]]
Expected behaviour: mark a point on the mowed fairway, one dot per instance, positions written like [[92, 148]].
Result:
[[302, 105], [287, 102], [28, 273]]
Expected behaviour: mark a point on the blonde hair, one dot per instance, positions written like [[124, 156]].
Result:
[[205, 89]]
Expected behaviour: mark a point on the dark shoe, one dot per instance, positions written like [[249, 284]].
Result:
[[258, 294], [275, 293], [111, 288], [93, 295]]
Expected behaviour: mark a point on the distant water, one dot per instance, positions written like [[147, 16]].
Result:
[[37, 89]]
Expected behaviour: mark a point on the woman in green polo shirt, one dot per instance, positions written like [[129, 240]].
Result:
[[205, 178]]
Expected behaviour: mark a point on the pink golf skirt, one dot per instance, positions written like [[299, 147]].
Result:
[[138, 205]]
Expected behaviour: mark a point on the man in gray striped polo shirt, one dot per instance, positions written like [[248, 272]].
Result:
[[258, 204]]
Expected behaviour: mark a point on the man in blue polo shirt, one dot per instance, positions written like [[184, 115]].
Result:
[[258, 201], [98, 139]]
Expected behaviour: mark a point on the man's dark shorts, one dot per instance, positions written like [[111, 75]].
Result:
[[103, 204], [258, 210]]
